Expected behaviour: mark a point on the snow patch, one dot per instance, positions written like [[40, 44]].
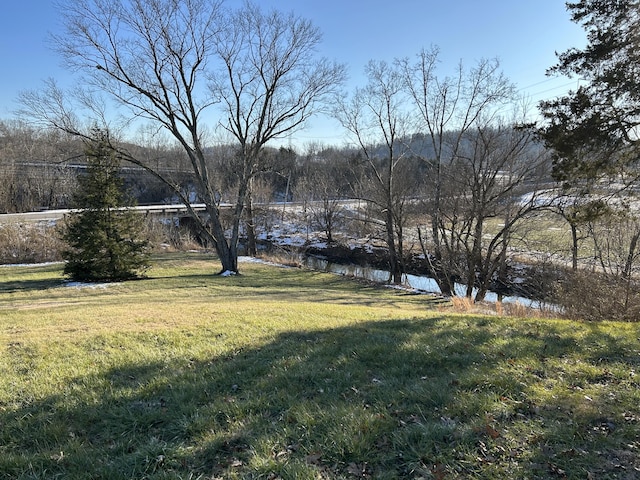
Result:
[[227, 273], [243, 259], [88, 285], [43, 264], [319, 244]]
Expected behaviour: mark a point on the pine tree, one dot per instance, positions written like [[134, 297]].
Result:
[[594, 129], [104, 237]]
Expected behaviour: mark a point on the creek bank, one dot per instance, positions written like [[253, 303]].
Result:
[[532, 282]]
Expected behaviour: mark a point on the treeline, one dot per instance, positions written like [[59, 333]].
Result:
[[40, 167], [34, 168], [39, 170], [491, 197]]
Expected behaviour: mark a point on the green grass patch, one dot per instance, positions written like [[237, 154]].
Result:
[[292, 374]]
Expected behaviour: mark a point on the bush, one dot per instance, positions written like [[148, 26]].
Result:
[[29, 243], [595, 297]]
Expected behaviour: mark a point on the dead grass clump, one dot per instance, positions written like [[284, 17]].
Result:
[[29, 243], [282, 257], [168, 237], [517, 309], [463, 304], [501, 309], [467, 305]]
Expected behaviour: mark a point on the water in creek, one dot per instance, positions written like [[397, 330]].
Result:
[[418, 282]]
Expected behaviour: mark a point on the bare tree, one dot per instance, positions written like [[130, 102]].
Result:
[[446, 109], [615, 235], [271, 83], [609, 289], [579, 208], [497, 176], [174, 61], [321, 188], [376, 118]]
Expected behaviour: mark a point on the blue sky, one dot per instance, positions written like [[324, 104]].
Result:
[[522, 34]]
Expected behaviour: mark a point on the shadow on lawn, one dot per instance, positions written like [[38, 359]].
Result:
[[294, 284], [36, 284], [398, 399], [29, 285]]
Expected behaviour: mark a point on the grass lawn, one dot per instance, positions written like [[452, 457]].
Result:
[[289, 374]]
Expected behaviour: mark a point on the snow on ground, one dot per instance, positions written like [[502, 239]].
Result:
[[262, 261], [43, 264], [93, 286]]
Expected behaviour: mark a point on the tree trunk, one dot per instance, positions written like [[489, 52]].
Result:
[[628, 267], [250, 224], [227, 255], [474, 260], [394, 263], [480, 293], [574, 246], [435, 265]]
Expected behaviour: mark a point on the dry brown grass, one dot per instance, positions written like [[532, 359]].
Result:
[[501, 309], [282, 257], [39, 242], [29, 243]]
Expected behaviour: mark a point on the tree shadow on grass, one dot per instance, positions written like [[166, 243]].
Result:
[[32, 284], [29, 285], [428, 398], [294, 284]]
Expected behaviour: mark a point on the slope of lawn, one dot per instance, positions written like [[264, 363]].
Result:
[[291, 374]]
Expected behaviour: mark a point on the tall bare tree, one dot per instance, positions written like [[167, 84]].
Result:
[[497, 176], [377, 120], [320, 190], [446, 109], [271, 83], [173, 62]]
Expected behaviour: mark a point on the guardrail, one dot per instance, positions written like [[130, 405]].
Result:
[[52, 215], [175, 209]]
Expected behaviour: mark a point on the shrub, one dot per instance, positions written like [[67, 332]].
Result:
[[593, 297], [29, 243]]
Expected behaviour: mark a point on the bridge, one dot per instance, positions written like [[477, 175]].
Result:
[[53, 215], [173, 210]]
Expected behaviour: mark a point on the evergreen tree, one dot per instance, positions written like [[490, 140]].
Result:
[[104, 237], [594, 129]]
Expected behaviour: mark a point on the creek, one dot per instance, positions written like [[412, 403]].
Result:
[[417, 282]]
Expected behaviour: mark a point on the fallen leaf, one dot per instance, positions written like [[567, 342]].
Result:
[[492, 432], [438, 471], [313, 458]]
